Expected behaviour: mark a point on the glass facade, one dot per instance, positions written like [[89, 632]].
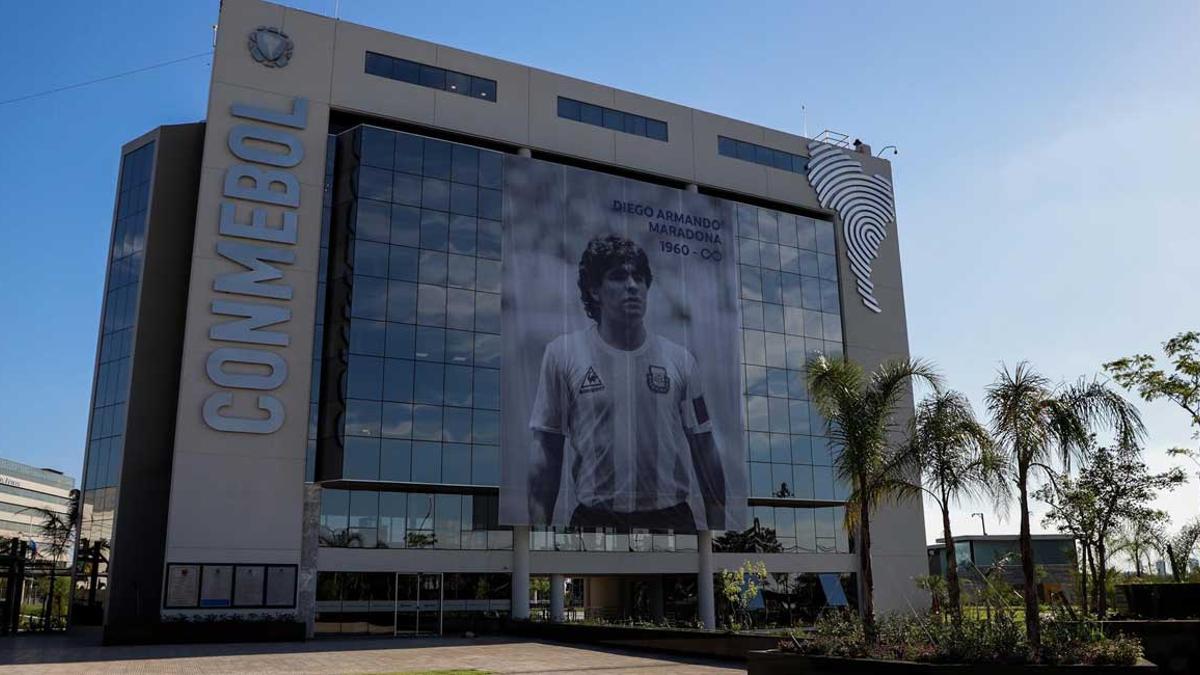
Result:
[[411, 368], [310, 455], [791, 311], [386, 519], [360, 603], [419, 276], [760, 154], [110, 387]]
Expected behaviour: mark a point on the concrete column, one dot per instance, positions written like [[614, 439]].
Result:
[[556, 598], [692, 187], [520, 572], [524, 152], [310, 543], [704, 581]]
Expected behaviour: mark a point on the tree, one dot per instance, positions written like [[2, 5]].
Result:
[[1138, 537], [1037, 423], [57, 530], [955, 457], [1114, 486], [1181, 387], [1073, 511], [1179, 546], [754, 539], [740, 587], [860, 413]]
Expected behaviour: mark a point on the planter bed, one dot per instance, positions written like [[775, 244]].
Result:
[[684, 641], [775, 662], [1162, 601], [1173, 644]]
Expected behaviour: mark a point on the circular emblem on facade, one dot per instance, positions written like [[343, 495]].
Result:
[[270, 47]]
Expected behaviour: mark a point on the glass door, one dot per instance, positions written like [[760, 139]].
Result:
[[418, 604]]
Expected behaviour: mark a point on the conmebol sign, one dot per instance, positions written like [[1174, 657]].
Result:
[[272, 193]]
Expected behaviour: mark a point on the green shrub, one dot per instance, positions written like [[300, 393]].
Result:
[[837, 633], [929, 639], [1121, 650], [1000, 640]]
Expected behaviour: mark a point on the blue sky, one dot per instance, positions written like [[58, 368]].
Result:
[[1045, 183]]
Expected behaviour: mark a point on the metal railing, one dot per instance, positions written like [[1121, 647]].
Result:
[[835, 138]]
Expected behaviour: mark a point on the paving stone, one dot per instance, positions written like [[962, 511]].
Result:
[[81, 652]]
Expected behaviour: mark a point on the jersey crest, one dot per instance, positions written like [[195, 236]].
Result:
[[658, 380], [591, 382]]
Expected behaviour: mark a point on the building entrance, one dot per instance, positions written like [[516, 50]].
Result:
[[418, 604]]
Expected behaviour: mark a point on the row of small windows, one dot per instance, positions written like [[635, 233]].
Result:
[[760, 154], [599, 116], [433, 77], [483, 88]]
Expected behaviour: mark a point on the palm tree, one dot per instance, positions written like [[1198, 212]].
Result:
[[956, 458], [57, 529], [860, 412], [1036, 424]]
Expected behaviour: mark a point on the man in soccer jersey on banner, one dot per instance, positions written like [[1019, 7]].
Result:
[[630, 402]]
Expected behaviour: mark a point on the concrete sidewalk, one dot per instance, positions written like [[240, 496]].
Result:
[[82, 653]]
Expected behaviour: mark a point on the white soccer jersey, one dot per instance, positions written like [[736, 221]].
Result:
[[626, 415]]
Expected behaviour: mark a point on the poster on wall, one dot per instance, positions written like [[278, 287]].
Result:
[[248, 585], [281, 585], [622, 398], [216, 586], [183, 586]]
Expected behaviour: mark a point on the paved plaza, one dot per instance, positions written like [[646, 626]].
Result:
[[83, 654]]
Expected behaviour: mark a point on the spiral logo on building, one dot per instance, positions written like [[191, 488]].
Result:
[[864, 204]]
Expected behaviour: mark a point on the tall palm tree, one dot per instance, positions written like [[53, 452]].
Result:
[[57, 529], [1038, 424], [860, 412], [956, 458]]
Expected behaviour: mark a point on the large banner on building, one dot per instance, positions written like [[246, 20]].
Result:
[[622, 388]]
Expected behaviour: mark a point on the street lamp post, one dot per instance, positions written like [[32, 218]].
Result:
[[981, 523]]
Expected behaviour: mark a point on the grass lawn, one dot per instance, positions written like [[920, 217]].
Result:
[[979, 612]]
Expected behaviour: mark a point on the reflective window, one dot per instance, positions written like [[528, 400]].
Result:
[[386, 519], [751, 152], [433, 77], [609, 118], [790, 312], [421, 382], [104, 449]]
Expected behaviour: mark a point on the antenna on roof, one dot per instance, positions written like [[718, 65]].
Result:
[[804, 114]]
